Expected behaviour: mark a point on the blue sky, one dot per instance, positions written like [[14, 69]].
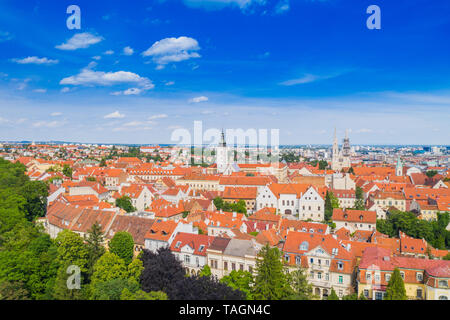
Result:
[[137, 70]]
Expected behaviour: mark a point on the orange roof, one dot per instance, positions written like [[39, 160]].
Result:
[[239, 193], [161, 230], [354, 215]]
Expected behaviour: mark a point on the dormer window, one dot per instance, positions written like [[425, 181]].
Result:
[[178, 244], [340, 265], [201, 248]]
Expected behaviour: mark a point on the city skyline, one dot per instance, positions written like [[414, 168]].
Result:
[[135, 72]]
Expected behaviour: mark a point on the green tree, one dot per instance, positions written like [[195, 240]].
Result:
[[122, 244], [206, 271], [240, 280], [103, 162], [302, 289], [359, 203], [142, 295], [125, 203], [353, 296], [135, 269], [362, 297], [333, 295], [395, 289], [67, 171], [447, 257], [271, 281], [35, 194], [331, 202], [112, 289], [109, 267], [94, 243], [218, 203], [431, 173], [72, 250]]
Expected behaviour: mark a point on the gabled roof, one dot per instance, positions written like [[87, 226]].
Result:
[[195, 241], [359, 216]]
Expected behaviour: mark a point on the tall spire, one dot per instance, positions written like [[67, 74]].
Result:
[[222, 140]]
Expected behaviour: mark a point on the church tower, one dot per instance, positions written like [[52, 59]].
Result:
[[222, 155], [399, 168]]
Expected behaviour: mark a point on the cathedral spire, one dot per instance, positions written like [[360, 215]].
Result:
[[222, 140]]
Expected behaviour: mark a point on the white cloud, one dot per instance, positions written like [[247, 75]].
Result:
[[89, 77], [158, 116], [134, 124], [220, 4], [172, 50], [80, 40], [170, 83], [108, 52], [56, 114], [128, 92], [282, 7], [65, 89], [198, 99], [307, 78], [128, 51], [96, 58], [49, 124], [35, 60], [114, 115], [5, 36]]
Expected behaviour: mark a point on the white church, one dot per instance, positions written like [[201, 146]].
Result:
[[340, 158]]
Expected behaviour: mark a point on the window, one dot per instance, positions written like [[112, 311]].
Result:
[[378, 295], [250, 269], [377, 277], [341, 293], [225, 265], [340, 265], [311, 260], [327, 276], [419, 293], [187, 259], [178, 244], [443, 283], [311, 274], [241, 267], [201, 248], [298, 260], [387, 277], [327, 262], [286, 257], [341, 279], [319, 275], [366, 293], [233, 266], [368, 276], [419, 276], [443, 298], [402, 274]]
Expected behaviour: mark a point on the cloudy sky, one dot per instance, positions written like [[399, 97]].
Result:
[[138, 70]]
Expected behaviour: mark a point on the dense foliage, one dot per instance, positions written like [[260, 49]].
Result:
[[434, 232], [164, 272], [395, 289], [239, 206], [124, 203]]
